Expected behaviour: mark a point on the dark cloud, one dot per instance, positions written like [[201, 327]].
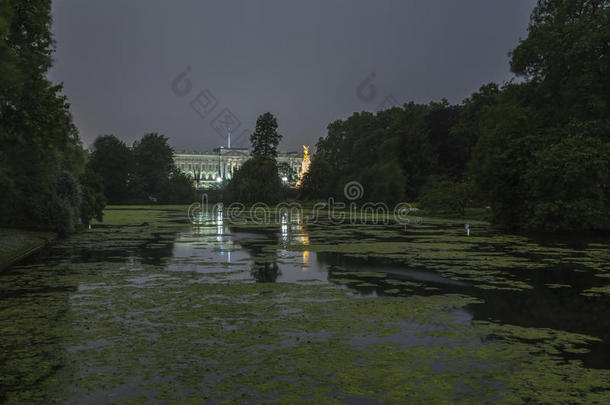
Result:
[[301, 60]]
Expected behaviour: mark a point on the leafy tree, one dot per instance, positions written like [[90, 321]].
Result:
[[538, 154], [384, 182], [63, 207], [442, 195], [144, 173], [440, 118], [569, 185], [414, 150], [10, 74], [93, 200], [389, 153], [153, 165], [112, 160], [510, 133], [351, 143], [516, 148], [466, 131], [41, 156], [179, 189], [257, 180], [318, 181], [566, 54], [265, 138]]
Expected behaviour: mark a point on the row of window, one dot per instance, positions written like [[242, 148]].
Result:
[[202, 166], [189, 166]]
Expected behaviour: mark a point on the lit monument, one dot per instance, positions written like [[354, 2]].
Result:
[[304, 165]]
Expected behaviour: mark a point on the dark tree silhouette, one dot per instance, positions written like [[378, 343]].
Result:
[[112, 160], [265, 139]]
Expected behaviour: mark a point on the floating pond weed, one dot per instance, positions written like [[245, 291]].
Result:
[[147, 309]]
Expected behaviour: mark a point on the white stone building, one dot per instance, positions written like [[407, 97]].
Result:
[[210, 168]]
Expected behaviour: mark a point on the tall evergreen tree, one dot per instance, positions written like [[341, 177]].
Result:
[[258, 178], [265, 139]]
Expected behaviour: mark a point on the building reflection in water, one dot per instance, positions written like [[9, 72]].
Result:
[[211, 241], [293, 231], [284, 230], [210, 228], [219, 223]]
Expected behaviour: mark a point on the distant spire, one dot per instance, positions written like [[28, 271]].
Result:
[[228, 138]]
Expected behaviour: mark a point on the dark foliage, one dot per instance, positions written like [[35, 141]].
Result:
[[111, 159], [42, 162], [257, 180], [536, 151], [265, 138], [144, 173]]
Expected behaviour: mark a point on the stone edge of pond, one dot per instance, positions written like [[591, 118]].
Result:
[[34, 241]]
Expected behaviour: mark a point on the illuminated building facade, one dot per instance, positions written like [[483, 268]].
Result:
[[210, 168]]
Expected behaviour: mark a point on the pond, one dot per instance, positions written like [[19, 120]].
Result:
[[149, 307]]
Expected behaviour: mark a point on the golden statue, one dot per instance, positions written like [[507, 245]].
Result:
[[304, 165]]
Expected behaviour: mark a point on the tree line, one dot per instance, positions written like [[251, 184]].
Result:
[[44, 177], [146, 172], [536, 149], [143, 173], [47, 178]]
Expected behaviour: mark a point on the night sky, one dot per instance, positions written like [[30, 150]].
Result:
[[308, 62]]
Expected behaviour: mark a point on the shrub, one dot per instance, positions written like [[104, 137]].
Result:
[[444, 196]]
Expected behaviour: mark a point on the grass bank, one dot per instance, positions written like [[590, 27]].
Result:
[[16, 244]]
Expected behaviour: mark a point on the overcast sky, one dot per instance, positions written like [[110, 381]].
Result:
[[309, 62]]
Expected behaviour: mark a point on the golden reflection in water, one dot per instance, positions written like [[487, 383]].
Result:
[[305, 259], [304, 242]]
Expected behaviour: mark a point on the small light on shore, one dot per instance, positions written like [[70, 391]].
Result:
[[218, 179]]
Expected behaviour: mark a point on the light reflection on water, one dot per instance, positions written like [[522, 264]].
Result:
[[211, 246], [214, 246], [216, 251], [278, 254]]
